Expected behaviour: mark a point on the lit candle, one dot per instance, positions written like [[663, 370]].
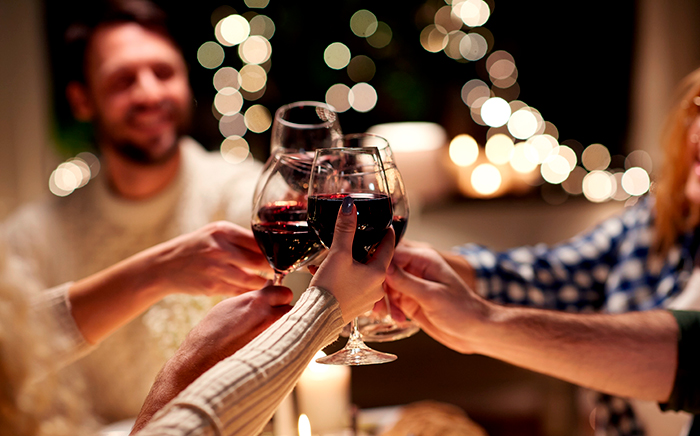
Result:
[[323, 393], [304, 425]]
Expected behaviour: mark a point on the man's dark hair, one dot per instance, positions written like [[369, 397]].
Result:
[[95, 14]]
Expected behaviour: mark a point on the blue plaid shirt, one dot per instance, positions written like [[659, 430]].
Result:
[[607, 268]]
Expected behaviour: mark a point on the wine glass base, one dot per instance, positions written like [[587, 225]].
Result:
[[388, 332], [356, 357]]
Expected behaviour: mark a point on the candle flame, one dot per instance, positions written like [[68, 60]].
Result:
[[304, 425]]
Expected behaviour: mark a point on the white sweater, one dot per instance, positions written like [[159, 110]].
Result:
[[60, 240]]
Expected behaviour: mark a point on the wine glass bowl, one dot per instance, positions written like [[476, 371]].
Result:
[[279, 220]]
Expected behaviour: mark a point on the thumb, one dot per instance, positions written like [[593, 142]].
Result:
[[345, 226]]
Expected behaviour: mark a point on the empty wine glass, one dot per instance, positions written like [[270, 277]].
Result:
[[279, 221], [299, 127], [380, 325], [356, 172]]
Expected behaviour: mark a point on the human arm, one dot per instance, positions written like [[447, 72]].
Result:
[[632, 354], [219, 258], [239, 395]]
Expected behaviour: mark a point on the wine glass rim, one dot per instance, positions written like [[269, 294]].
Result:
[[345, 136], [317, 104]]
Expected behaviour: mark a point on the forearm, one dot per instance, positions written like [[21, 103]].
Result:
[[240, 394], [105, 301], [632, 354]]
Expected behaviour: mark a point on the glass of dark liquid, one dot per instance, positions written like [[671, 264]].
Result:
[[385, 323], [299, 127], [279, 220], [359, 173]]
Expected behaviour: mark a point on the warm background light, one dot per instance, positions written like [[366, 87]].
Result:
[[463, 150]]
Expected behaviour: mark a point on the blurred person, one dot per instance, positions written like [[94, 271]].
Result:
[[238, 395], [130, 80], [641, 259], [651, 355]]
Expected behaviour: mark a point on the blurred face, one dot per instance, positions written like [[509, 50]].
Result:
[[138, 92], [692, 186]]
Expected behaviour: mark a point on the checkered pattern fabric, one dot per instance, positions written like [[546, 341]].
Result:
[[605, 269]]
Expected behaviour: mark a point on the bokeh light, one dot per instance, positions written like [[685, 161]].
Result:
[[524, 157], [434, 38], [522, 124], [452, 49], [473, 90], [228, 101], [495, 112], [255, 50], [262, 25], [567, 153], [381, 37], [463, 150], [210, 55], [253, 78], [499, 149], [227, 77], [258, 118], [337, 55], [257, 4], [636, 181], [639, 158], [362, 97], [486, 179], [598, 186], [361, 69], [595, 157], [545, 145], [235, 149], [448, 20], [574, 183], [232, 125], [338, 97], [473, 46], [555, 169], [363, 23], [620, 194], [235, 29], [474, 13]]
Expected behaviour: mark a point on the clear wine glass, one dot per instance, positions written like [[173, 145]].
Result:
[[380, 325], [279, 220], [299, 127], [355, 172]]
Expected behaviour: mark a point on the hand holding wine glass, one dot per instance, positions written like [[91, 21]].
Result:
[[358, 173]]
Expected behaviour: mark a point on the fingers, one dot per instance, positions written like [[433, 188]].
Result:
[[385, 251], [277, 295], [345, 227], [409, 284], [236, 235]]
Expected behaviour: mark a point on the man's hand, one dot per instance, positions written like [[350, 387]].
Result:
[[229, 326], [429, 291], [219, 258]]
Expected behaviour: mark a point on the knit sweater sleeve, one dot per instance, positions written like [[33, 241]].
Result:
[[240, 394]]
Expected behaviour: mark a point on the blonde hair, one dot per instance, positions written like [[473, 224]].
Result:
[[675, 214], [34, 398]]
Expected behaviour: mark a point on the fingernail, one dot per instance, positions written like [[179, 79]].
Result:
[[347, 205]]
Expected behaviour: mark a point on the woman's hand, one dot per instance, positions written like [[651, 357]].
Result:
[[355, 285]]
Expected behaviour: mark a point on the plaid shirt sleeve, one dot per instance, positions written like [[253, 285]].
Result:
[[582, 274]]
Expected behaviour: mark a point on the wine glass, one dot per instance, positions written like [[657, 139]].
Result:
[[279, 221], [356, 172], [381, 326], [299, 127]]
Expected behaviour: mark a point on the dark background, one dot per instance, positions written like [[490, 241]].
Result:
[[573, 60]]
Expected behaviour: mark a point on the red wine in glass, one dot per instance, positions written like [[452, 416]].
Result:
[[399, 223], [284, 236], [374, 216]]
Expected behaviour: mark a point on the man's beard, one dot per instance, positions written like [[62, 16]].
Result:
[[145, 154]]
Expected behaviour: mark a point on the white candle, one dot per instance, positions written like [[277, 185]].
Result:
[[304, 426], [283, 422], [323, 393]]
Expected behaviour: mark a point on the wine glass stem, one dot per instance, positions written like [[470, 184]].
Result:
[[355, 338], [277, 281]]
